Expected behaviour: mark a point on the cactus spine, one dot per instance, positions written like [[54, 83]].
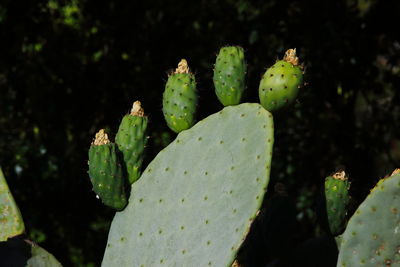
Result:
[[229, 75], [131, 140], [106, 172], [180, 99], [280, 84]]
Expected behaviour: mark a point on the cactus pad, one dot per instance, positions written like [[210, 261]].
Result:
[[372, 236], [281, 82], [229, 74], [196, 200], [11, 223], [337, 200], [180, 99], [106, 172], [131, 140]]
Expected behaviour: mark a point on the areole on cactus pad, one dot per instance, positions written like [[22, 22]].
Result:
[[195, 202]]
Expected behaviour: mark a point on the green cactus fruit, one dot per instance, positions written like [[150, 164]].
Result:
[[180, 99], [372, 236], [229, 74], [337, 199], [196, 200], [11, 223], [106, 173], [131, 140], [280, 84]]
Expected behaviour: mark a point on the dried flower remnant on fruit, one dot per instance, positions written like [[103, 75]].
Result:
[[137, 109], [182, 67], [101, 138], [290, 56], [340, 176]]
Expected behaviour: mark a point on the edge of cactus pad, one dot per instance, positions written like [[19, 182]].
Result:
[[372, 236], [195, 202], [11, 222]]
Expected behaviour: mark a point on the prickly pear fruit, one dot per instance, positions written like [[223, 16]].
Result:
[[131, 140], [229, 74], [106, 172], [281, 82], [11, 223], [337, 200], [180, 99], [372, 236]]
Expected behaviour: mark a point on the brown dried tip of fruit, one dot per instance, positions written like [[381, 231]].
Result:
[[101, 138], [340, 176], [290, 56], [396, 171], [137, 109], [182, 67], [235, 264]]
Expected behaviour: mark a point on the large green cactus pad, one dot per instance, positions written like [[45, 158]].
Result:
[[195, 202], [372, 236], [11, 223]]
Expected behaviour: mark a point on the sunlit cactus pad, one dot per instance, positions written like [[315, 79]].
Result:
[[11, 223], [195, 202], [372, 236]]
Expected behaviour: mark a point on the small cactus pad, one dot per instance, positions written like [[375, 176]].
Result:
[[196, 200], [229, 74], [106, 173], [11, 223], [131, 140], [180, 99], [280, 84], [41, 258], [372, 236], [337, 200]]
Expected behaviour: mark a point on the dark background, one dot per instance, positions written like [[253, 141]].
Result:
[[69, 68]]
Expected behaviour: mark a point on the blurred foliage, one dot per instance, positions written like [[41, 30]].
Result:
[[70, 67]]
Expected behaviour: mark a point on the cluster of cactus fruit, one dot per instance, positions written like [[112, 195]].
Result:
[[195, 202]]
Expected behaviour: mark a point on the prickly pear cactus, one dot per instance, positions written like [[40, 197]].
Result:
[[180, 99], [106, 173], [372, 236], [281, 82], [196, 200], [131, 140], [337, 200], [229, 74], [11, 223]]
